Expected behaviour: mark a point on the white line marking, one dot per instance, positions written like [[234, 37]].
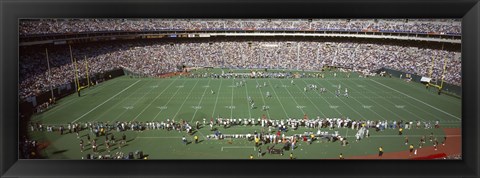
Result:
[[403, 106], [368, 106], [154, 99], [335, 107], [105, 101], [185, 100], [263, 99], [216, 101], [58, 108], [255, 149], [300, 107], [200, 102], [416, 99], [171, 97], [293, 98], [141, 99], [249, 112], [231, 111], [270, 84]]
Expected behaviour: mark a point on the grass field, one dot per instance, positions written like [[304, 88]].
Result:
[[153, 99]]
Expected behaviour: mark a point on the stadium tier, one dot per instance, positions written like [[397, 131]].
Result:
[[62, 26], [211, 97]]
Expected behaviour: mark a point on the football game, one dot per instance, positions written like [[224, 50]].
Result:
[[188, 89]]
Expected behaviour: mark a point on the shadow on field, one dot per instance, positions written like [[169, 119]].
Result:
[[59, 151]]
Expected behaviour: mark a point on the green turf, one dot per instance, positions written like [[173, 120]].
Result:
[[151, 99]]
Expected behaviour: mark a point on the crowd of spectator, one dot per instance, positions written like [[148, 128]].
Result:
[[62, 26], [157, 57]]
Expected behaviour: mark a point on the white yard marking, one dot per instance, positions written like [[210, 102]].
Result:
[[400, 106], [250, 147], [141, 112], [416, 99], [62, 105], [197, 107], [185, 100], [333, 107], [216, 101], [293, 98], [137, 100], [231, 111], [171, 97], [230, 107], [400, 117], [412, 113], [263, 99], [249, 112], [200, 102], [270, 84], [370, 106], [105, 102], [128, 107], [367, 107], [301, 107]]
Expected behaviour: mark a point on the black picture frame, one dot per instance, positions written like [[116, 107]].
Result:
[[11, 11]]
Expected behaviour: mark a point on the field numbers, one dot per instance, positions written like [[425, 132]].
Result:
[[128, 107], [197, 107], [230, 107], [180, 86], [333, 107], [301, 107], [162, 107], [400, 106], [367, 107]]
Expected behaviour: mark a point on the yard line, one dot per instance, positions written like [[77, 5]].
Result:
[[231, 104], [353, 88], [195, 113], [58, 108], [249, 112], [216, 101], [264, 103], [185, 100], [145, 94], [270, 84], [358, 102], [292, 97], [416, 99], [404, 101], [310, 99], [105, 101], [254, 149], [154, 99], [340, 100], [103, 112], [199, 105], [171, 97]]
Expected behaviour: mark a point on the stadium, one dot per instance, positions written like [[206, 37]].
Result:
[[240, 89]]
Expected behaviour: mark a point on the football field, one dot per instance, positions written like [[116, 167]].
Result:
[[191, 99]]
